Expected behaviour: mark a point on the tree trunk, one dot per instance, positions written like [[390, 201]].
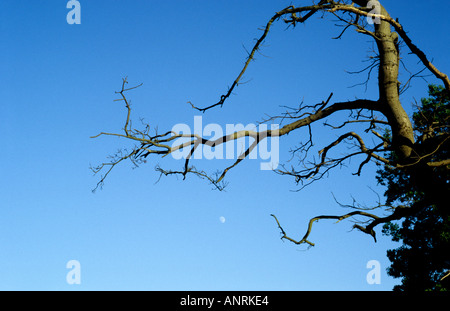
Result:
[[402, 131]]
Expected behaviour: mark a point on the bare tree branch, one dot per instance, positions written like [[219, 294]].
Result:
[[399, 28], [385, 113], [289, 10], [317, 218]]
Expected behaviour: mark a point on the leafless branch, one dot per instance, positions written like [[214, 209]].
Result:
[[304, 239], [399, 28], [374, 113]]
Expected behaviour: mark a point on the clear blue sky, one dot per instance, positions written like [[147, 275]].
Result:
[[57, 84]]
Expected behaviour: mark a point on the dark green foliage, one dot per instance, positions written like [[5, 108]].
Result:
[[435, 111], [424, 258]]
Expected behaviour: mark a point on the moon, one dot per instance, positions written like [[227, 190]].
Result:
[[222, 219]]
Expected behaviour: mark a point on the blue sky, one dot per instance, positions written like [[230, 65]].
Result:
[[57, 83]]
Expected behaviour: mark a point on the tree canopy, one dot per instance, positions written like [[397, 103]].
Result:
[[422, 262]]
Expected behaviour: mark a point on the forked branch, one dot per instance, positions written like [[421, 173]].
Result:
[[304, 239]]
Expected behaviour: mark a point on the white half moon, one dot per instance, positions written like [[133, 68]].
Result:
[[222, 219]]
